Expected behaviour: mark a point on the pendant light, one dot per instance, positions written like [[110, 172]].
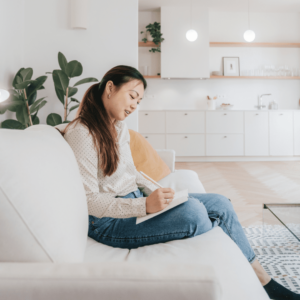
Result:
[[249, 34], [191, 34]]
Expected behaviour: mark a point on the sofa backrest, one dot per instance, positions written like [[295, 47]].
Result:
[[43, 209]]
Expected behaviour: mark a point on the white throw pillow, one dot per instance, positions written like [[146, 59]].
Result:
[[43, 208]]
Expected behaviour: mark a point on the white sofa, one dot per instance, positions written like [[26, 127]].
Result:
[[45, 252]]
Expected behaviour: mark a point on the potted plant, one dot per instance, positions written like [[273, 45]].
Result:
[[61, 79], [23, 101], [154, 31]]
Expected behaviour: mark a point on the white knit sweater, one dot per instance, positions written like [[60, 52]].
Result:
[[102, 190]]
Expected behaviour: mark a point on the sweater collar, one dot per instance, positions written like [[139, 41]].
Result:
[[118, 124]]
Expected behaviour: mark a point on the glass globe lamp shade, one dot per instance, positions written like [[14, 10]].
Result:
[[3, 95], [191, 35], [249, 36]]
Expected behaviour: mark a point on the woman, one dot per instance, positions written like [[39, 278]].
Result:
[[117, 193]]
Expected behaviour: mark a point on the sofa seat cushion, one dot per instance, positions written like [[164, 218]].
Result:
[[215, 248], [97, 252], [43, 209], [183, 179]]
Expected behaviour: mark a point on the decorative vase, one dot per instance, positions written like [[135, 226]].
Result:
[[149, 37], [211, 104]]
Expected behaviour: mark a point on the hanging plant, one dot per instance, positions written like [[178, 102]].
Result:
[[154, 30], [23, 101], [61, 79]]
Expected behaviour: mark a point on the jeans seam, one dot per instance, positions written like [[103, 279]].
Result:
[[143, 237], [224, 223]]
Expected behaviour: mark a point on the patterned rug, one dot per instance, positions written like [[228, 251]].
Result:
[[278, 251]]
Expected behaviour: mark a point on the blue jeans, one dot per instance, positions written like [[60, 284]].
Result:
[[199, 214]]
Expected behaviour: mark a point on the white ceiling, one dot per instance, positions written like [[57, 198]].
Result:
[[227, 5]]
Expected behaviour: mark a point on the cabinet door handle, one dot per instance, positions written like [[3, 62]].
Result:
[[225, 114], [146, 114], [146, 137], [281, 114], [225, 136], [257, 114], [186, 137], [185, 114]]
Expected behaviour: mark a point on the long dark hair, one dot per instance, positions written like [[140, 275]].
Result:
[[93, 115]]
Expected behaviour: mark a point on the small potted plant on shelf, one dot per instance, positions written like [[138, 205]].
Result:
[[153, 35]]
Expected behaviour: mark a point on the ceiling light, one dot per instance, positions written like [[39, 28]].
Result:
[[191, 35], [249, 35]]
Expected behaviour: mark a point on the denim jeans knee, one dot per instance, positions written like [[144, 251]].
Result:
[[194, 216]]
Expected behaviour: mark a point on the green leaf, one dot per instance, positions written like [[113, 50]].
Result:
[[61, 80], [72, 91], [62, 62], [54, 119], [60, 95], [41, 88], [14, 105], [22, 115], [12, 124], [73, 107], [26, 74], [74, 68], [66, 121], [17, 76], [75, 100], [39, 81], [24, 84], [35, 120], [86, 80], [38, 104], [2, 109], [32, 98]]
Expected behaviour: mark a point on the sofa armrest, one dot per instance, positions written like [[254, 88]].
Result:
[[168, 156], [108, 280]]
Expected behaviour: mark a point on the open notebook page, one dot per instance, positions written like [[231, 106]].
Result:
[[179, 197]]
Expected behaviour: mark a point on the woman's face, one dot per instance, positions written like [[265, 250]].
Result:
[[126, 99]]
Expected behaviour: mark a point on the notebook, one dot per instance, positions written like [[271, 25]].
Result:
[[179, 197]]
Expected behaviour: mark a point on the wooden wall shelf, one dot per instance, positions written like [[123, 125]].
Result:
[[234, 44], [255, 77], [147, 44], [152, 76]]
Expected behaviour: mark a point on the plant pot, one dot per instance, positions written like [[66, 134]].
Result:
[[149, 37]]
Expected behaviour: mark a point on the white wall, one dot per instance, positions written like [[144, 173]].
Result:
[[110, 40], [243, 93], [11, 34]]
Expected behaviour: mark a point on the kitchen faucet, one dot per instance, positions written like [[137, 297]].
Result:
[[260, 102]]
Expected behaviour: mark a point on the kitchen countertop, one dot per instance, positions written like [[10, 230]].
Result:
[[219, 110]]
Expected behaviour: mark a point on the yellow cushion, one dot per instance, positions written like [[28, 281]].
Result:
[[145, 158]]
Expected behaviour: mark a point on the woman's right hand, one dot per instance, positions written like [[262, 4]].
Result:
[[157, 200]]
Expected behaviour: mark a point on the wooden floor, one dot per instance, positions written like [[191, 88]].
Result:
[[249, 184]]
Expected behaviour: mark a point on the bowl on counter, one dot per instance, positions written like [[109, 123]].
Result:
[[226, 106]]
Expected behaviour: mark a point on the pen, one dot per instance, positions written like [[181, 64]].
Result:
[[153, 181]]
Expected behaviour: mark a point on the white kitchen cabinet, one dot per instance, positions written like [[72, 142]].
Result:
[[152, 122], [281, 133], [186, 144], [185, 122], [296, 132], [224, 144], [181, 58], [157, 141], [225, 122], [256, 133]]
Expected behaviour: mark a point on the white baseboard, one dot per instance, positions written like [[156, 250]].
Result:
[[234, 158]]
